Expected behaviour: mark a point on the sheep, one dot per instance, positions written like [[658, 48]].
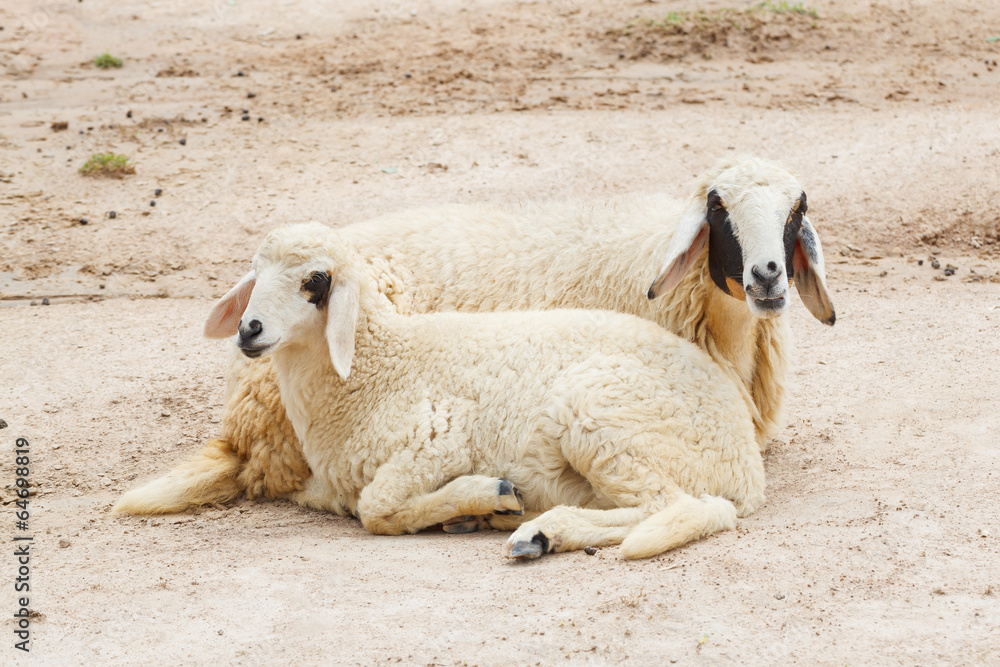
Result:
[[602, 427], [687, 266]]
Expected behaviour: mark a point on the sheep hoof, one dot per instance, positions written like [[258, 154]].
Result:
[[529, 550], [510, 498], [461, 524]]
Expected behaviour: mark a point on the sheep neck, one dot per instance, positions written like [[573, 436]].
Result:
[[750, 349], [309, 384]]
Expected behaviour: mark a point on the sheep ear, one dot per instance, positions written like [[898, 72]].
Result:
[[341, 322], [688, 241], [810, 274], [224, 319]]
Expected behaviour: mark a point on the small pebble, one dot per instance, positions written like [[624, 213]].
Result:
[[590, 551], [245, 117], [33, 303], [45, 301], [409, 76], [949, 271], [63, 544], [298, 36], [240, 73], [935, 264], [250, 96], [246, 111], [128, 114], [112, 215], [260, 119], [83, 221], [183, 142], [920, 262], [152, 202], [157, 192], [779, 596]]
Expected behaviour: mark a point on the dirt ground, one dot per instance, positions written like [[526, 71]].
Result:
[[879, 541]]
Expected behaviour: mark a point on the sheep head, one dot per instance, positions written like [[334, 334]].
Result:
[[302, 288], [751, 214]]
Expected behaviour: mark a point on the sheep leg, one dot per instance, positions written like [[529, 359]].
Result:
[[673, 519], [508, 522], [390, 505], [566, 528], [503, 521]]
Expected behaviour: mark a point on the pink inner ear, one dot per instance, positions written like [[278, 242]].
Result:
[[225, 317], [800, 259], [684, 261]]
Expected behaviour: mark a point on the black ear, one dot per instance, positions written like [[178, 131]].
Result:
[[317, 288]]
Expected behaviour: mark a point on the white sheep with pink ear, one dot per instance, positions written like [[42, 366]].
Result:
[[584, 427], [715, 270]]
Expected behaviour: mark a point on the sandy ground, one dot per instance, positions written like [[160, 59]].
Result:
[[879, 541]]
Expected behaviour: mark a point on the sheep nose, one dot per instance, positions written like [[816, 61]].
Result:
[[251, 330], [767, 276]]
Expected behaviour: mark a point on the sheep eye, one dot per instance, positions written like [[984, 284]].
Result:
[[716, 208], [316, 287], [316, 281]]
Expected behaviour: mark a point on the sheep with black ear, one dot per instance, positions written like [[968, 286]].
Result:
[[716, 270], [604, 427]]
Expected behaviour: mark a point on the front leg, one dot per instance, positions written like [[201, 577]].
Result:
[[391, 505], [569, 528], [427, 481], [502, 521]]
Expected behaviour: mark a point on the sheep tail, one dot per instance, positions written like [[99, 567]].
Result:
[[211, 476], [686, 519]]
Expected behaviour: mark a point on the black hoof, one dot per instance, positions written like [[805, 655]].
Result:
[[538, 546], [525, 550], [460, 525], [506, 488]]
